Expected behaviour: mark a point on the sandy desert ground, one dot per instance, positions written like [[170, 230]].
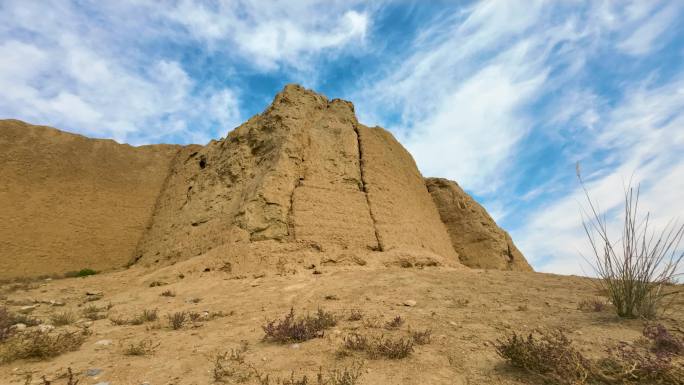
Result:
[[466, 310]]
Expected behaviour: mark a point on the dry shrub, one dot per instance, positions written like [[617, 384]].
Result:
[[637, 270], [231, 366], [662, 342], [355, 315], [6, 323], [628, 364], [168, 293], [292, 329], [63, 318], [592, 305], [421, 337], [145, 347], [40, 345], [177, 320], [92, 313], [394, 323], [380, 346], [551, 357]]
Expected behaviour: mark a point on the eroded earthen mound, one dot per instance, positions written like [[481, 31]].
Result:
[[480, 243], [304, 176], [69, 202]]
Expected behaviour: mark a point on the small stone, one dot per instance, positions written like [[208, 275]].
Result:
[[410, 302], [28, 308], [294, 346], [452, 323], [103, 383], [103, 342], [19, 327], [45, 328], [93, 372]]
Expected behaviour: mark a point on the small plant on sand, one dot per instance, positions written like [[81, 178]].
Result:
[[394, 323], [6, 323], [168, 293], [551, 356], [231, 365], [40, 345], [293, 329], [380, 346], [662, 342], [592, 305], [421, 337], [80, 273], [637, 270], [63, 318], [92, 312], [355, 315], [177, 320], [146, 347]]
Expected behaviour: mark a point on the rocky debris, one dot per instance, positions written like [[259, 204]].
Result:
[[480, 243], [44, 328]]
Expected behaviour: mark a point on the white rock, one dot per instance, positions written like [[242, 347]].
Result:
[[19, 327], [45, 328], [410, 302], [103, 342]]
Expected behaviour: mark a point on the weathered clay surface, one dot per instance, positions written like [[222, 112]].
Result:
[[404, 213], [302, 177], [68, 202], [478, 240]]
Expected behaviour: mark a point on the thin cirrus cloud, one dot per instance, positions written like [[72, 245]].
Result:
[[502, 96]]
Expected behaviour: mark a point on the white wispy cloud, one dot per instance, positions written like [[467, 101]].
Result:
[[469, 92], [644, 138], [282, 33], [93, 68]]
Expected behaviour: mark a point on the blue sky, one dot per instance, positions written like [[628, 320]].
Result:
[[502, 96]]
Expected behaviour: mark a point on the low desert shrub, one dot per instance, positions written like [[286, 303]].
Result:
[[231, 365], [551, 356], [80, 273], [380, 346], [421, 337], [629, 364], [355, 315], [662, 342], [40, 345], [177, 320], [592, 305], [6, 323], [92, 312], [293, 329], [394, 323], [145, 347], [168, 293], [637, 271], [63, 318]]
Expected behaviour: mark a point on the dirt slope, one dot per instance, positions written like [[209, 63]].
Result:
[[68, 202], [480, 243]]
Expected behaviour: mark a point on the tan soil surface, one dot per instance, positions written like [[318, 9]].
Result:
[[466, 309]]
